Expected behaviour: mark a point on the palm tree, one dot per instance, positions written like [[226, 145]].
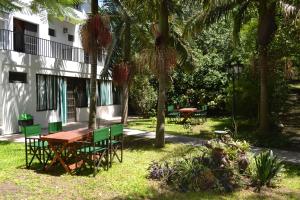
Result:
[[167, 43], [267, 10], [95, 35], [122, 68]]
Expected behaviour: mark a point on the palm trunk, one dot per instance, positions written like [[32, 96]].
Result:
[[164, 37], [125, 92], [266, 30], [264, 104], [127, 59], [94, 55]]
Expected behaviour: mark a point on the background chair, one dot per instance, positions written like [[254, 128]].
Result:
[[172, 114], [34, 146], [95, 153], [54, 127], [201, 115], [116, 142]]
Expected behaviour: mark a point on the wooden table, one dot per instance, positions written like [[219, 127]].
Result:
[[186, 113], [59, 142]]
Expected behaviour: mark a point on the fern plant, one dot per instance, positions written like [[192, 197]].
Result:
[[267, 167]]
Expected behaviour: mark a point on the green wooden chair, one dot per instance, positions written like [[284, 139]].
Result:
[[54, 127], [116, 142], [172, 114], [95, 153], [201, 115], [34, 146]]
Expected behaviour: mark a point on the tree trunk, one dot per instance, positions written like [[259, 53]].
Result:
[[266, 30], [125, 92], [93, 80], [127, 59], [264, 104], [162, 45]]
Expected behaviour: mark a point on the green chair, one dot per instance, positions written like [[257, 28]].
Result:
[[116, 142], [172, 114], [54, 127], [95, 153], [201, 114], [34, 146]]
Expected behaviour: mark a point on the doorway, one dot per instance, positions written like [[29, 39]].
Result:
[[71, 103]]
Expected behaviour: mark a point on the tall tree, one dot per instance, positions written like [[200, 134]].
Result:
[[214, 10], [168, 46], [95, 35]]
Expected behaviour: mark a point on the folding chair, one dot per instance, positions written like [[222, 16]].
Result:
[[34, 146], [116, 142], [95, 153], [172, 114], [54, 127], [201, 114]]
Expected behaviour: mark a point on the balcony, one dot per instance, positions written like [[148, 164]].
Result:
[[16, 41]]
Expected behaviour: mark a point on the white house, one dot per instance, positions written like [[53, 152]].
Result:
[[45, 72]]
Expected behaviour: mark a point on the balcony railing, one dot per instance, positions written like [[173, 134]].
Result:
[[17, 41]]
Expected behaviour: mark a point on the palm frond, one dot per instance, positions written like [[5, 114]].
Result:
[[61, 9], [210, 13], [8, 5], [238, 18]]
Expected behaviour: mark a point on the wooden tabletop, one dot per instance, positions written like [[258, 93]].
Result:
[[188, 110], [66, 136]]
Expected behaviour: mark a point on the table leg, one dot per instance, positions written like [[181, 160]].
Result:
[[57, 156]]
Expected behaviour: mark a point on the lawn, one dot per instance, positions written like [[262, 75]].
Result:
[[200, 130], [205, 130], [123, 181]]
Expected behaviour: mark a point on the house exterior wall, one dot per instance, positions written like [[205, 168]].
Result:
[[18, 98]]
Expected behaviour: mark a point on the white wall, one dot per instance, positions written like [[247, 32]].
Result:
[[17, 98]]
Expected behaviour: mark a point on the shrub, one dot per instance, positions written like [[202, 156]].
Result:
[[143, 97], [219, 166], [267, 167]]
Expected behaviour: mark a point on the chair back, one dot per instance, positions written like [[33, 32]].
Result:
[[116, 130], [33, 130], [170, 108], [100, 135], [54, 127]]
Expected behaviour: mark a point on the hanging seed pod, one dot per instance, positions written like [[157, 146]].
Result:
[[95, 33], [120, 73]]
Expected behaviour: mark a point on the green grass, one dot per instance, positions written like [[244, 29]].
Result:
[[123, 181], [202, 130], [246, 131]]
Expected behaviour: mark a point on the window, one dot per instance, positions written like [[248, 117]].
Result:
[[51, 32], [71, 38], [46, 90], [105, 96], [17, 77], [25, 39]]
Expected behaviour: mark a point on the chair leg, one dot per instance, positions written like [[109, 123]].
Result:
[[122, 151]]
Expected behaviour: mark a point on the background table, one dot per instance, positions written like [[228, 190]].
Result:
[[186, 113]]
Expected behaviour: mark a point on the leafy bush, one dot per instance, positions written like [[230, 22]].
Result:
[[267, 167], [143, 96], [219, 166]]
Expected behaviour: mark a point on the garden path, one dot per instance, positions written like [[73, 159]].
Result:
[[291, 118], [288, 156]]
